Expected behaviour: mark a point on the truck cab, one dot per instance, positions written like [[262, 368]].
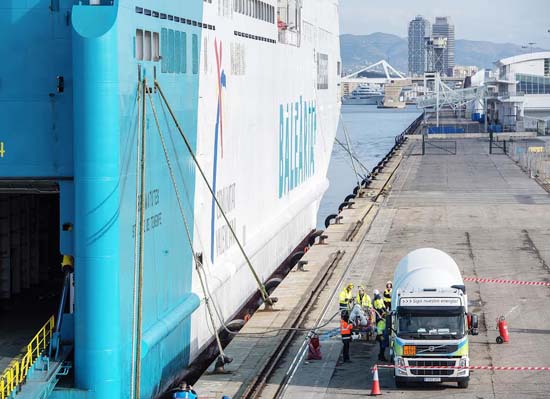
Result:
[[429, 322], [430, 328]]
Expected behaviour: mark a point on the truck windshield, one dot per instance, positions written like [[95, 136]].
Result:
[[430, 325]]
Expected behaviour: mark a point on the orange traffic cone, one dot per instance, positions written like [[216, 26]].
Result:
[[375, 384]]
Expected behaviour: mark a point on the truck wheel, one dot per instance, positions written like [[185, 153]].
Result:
[[463, 384], [499, 340]]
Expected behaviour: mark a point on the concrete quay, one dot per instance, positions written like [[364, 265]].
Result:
[[484, 211], [255, 355]]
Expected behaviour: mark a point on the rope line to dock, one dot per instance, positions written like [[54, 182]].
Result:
[[134, 287], [141, 246], [198, 261], [265, 296]]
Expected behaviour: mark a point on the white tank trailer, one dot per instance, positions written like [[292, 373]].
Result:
[[429, 321]]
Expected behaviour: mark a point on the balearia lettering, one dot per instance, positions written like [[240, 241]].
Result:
[[297, 137]]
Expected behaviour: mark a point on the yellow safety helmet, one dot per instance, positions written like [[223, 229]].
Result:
[[68, 261], [350, 285], [361, 288]]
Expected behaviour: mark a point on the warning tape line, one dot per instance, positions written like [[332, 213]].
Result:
[[494, 368], [502, 281]]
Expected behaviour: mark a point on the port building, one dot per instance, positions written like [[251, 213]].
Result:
[[519, 91]]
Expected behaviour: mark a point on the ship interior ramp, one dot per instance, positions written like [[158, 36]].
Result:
[[30, 272]]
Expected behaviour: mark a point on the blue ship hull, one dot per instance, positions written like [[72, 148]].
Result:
[[98, 109]]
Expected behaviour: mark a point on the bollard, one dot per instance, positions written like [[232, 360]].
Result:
[[301, 264]]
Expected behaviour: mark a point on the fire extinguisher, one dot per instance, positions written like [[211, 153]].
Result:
[[502, 327]]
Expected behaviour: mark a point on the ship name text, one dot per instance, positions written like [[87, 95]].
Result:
[[297, 138]]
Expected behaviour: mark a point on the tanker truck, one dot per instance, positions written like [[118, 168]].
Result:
[[429, 321]]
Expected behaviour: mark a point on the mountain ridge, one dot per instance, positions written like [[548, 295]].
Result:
[[360, 50]]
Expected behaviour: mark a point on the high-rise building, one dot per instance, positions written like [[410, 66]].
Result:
[[420, 30], [444, 28]]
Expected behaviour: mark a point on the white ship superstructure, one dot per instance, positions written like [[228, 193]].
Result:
[[364, 94], [268, 114]]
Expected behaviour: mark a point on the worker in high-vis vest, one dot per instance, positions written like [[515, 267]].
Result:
[[387, 295], [346, 296], [379, 306], [363, 299], [382, 336], [345, 331]]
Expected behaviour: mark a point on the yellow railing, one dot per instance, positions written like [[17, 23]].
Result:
[[17, 371]]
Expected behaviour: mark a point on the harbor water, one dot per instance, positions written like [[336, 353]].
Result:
[[372, 132]]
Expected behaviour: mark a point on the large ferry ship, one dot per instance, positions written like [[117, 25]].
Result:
[[119, 119]]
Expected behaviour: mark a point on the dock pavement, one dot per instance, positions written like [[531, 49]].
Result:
[[481, 209]]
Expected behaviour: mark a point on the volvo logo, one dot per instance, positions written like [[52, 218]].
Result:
[[431, 348]]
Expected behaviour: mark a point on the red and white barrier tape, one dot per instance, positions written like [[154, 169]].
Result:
[[494, 368], [502, 281]]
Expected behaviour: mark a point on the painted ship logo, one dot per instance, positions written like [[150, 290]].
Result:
[[218, 139]]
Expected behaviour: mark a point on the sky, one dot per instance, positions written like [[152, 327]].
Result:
[[505, 21]]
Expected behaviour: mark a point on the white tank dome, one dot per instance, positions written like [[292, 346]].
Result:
[[425, 268], [426, 258]]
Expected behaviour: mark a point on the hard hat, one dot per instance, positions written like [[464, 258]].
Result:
[[389, 283], [361, 288], [350, 285], [67, 261], [376, 292]]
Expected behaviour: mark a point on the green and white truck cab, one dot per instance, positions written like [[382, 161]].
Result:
[[429, 323]]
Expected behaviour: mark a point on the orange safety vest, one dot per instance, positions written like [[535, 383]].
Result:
[[345, 328]]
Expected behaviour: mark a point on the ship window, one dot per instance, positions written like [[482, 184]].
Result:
[[170, 51], [289, 21], [195, 50], [322, 71], [139, 44], [177, 52], [183, 61], [164, 50], [147, 46], [205, 49], [156, 48], [262, 10]]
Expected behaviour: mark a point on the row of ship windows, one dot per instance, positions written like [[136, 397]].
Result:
[[174, 49], [254, 37], [174, 18], [255, 9]]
